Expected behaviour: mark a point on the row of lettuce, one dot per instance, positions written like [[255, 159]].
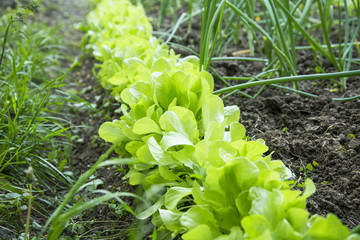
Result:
[[190, 153]]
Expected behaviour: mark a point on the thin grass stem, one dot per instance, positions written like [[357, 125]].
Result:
[[177, 25], [290, 79], [346, 99], [322, 46], [249, 59], [295, 91], [5, 39], [326, 35], [28, 213]]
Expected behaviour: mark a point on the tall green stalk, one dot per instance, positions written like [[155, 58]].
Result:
[[163, 8], [325, 29], [210, 26], [4, 42], [250, 5]]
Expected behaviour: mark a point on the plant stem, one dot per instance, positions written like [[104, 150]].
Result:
[[290, 79], [346, 99], [4, 42], [177, 25], [28, 213], [250, 59]]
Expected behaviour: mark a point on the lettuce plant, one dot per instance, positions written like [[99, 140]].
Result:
[[190, 152]]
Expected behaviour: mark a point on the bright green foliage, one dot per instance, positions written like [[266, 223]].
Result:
[[120, 36], [113, 25], [206, 180]]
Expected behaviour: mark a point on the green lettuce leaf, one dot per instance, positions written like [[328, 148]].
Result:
[[111, 132], [145, 126], [174, 195]]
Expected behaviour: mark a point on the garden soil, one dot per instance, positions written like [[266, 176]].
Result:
[[316, 138]]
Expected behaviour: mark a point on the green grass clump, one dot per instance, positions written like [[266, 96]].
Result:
[[32, 131]]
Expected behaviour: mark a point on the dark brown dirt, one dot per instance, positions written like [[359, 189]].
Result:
[[107, 219], [304, 131]]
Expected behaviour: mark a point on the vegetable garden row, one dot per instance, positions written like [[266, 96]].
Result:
[[188, 152]]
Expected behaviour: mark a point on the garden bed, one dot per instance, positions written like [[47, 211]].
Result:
[[297, 129], [316, 138]]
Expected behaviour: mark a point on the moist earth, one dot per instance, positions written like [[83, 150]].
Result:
[[301, 131]]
